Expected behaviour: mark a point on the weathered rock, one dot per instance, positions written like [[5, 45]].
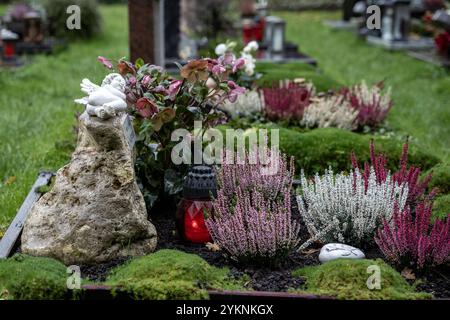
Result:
[[95, 212], [333, 251]]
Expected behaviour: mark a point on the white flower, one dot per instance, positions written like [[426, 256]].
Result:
[[330, 112], [250, 63], [221, 49], [342, 208], [251, 46], [247, 104]]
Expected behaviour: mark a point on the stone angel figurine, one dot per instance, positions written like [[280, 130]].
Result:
[[107, 100]]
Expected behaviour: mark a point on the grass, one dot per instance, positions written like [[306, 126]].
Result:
[[347, 279], [37, 112], [420, 91]]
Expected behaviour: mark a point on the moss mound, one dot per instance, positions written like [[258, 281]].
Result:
[[273, 72], [441, 207], [347, 279], [316, 150], [441, 178], [29, 278], [171, 275]]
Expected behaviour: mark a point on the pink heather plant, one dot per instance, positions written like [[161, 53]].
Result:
[[414, 242], [406, 174], [252, 219], [372, 105], [288, 101]]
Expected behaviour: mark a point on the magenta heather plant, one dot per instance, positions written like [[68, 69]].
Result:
[[372, 105], [406, 174], [252, 219], [287, 101], [413, 241]]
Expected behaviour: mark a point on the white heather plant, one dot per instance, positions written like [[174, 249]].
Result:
[[246, 105], [342, 208], [330, 112]]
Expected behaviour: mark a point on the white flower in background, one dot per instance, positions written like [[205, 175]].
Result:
[[247, 104], [221, 49], [251, 46], [250, 63], [330, 112], [341, 208]]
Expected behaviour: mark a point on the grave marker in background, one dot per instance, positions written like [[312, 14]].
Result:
[[146, 30]]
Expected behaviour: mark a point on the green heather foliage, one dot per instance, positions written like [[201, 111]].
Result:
[[441, 207], [171, 274], [274, 72], [347, 279], [29, 278], [441, 178]]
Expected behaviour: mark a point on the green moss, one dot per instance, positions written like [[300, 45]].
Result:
[[171, 274], [441, 207], [441, 177], [23, 278], [274, 72], [347, 279], [316, 150]]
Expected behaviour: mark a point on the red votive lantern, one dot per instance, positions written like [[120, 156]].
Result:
[[9, 40], [199, 185]]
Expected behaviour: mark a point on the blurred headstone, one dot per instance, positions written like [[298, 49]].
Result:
[[146, 29]]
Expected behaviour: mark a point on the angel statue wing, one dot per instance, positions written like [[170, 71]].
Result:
[[87, 87]]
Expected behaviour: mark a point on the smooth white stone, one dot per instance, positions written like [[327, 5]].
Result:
[[333, 251]]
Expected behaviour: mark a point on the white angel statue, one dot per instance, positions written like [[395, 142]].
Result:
[[107, 100]]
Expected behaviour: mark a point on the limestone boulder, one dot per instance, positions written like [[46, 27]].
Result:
[[95, 212]]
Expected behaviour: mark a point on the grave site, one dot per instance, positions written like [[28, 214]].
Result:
[[270, 150]]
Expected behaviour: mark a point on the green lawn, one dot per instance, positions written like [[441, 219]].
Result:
[[421, 92], [37, 112]]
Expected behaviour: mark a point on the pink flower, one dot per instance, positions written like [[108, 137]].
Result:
[[146, 107], [174, 87], [105, 62], [227, 59], [238, 64], [218, 69], [132, 81], [146, 80], [235, 91], [160, 89]]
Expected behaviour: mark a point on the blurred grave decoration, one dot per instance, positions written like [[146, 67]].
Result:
[[8, 53], [442, 19], [270, 34], [353, 15], [395, 33], [29, 23], [440, 54]]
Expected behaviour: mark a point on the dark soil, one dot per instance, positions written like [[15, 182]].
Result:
[[275, 279], [436, 282]]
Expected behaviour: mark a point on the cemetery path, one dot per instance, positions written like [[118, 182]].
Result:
[[421, 91]]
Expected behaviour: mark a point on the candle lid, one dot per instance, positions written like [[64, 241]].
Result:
[[200, 183]]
